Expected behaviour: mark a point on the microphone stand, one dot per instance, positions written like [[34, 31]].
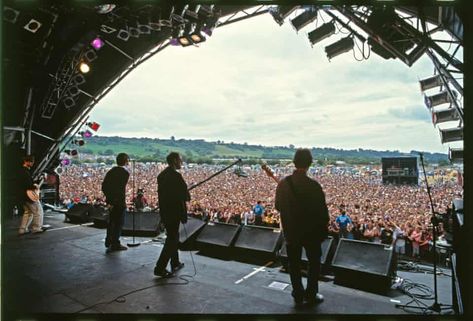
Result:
[[436, 306], [213, 175], [134, 210]]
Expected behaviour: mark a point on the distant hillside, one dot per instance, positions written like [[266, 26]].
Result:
[[199, 150]]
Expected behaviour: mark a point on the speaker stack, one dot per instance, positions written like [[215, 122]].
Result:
[[146, 224], [79, 213], [258, 241], [217, 237]]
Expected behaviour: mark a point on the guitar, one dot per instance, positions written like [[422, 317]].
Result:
[[269, 172], [34, 194]]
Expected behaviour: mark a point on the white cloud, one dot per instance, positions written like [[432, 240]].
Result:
[[260, 83]]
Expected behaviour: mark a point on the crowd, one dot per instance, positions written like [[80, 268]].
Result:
[[378, 212]]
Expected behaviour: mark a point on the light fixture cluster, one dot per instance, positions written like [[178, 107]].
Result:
[[193, 25], [79, 141], [309, 15], [444, 105]]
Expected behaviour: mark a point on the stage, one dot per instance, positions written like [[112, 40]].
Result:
[[65, 273]]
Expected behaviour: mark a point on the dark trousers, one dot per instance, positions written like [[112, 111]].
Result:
[[258, 220], [170, 248], [115, 225], [313, 251]]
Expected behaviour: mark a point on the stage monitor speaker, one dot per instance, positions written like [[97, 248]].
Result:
[[220, 234], [190, 229], [363, 265], [99, 216], [326, 245], [79, 213], [259, 238], [146, 224]]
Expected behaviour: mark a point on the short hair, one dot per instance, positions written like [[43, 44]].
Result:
[[302, 158], [122, 158], [28, 158], [172, 157]]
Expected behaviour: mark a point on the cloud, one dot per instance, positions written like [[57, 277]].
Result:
[[260, 83]]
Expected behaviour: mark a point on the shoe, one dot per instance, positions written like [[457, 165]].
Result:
[[39, 231], [107, 243], [314, 299], [177, 267], [24, 233], [117, 248], [163, 273]]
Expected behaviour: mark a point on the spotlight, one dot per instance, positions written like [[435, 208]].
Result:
[[455, 154], [84, 68], [449, 135], [134, 32], [197, 37], [210, 25], [302, 20], [105, 8], [73, 91], [430, 82], [442, 116], [10, 15], [68, 102], [79, 142], [65, 162], [339, 47], [97, 43], [71, 152], [281, 12], [86, 134], [59, 170], [94, 126], [185, 40], [123, 34], [438, 99], [322, 32], [32, 26], [78, 79]]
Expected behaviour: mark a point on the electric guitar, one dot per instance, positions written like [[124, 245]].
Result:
[[269, 172], [34, 194]]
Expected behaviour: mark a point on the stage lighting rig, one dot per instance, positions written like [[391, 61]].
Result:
[[446, 115], [430, 82], [280, 13], [302, 20], [442, 97], [322, 32], [449, 135], [455, 154]]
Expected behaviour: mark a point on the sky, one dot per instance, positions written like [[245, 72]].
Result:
[[260, 83]]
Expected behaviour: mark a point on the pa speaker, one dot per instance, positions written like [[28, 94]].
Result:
[[324, 258], [99, 216], [190, 229], [363, 265], [219, 234], [146, 224], [79, 213], [259, 238]]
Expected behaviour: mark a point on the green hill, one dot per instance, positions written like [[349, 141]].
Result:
[[199, 150]]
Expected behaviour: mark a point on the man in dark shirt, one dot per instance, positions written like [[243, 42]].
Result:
[[33, 210], [172, 198], [114, 188], [304, 218]]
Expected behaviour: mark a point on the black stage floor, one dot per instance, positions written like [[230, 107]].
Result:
[[66, 273]]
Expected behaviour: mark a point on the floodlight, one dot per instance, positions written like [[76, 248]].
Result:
[[449, 135], [123, 34], [302, 20], [430, 82], [97, 43], [445, 115], [280, 13], [10, 14], [79, 142], [455, 154], [322, 32], [86, 134], [339, 47], [438, 99], [93, 125], [32, 26], [71, 152]]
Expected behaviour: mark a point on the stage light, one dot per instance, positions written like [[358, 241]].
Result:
[[71, 152], [280, 13], [73, 91], [86, 134], [197, 37], [430, 82], [123, 34], [105, 8], [455, 154], [442, 116], [339, 47], [438, 99], [210, 25], [33, 26], [94, 126], [322, 32], [184, 40], [65, 161], [10, 15], [449, 135], [68, 102], [79, 142], [97, 43], [302, 20], [84, 68]]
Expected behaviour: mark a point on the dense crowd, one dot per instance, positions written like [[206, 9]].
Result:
[[377, 210]]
